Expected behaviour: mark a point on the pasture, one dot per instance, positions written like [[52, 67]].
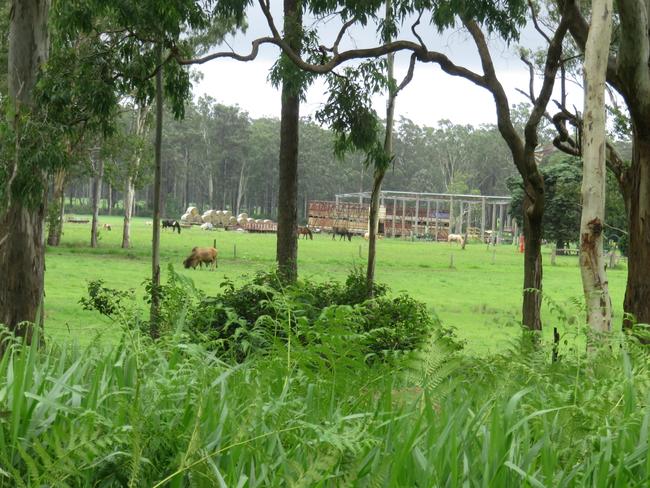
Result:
[[480, 296]]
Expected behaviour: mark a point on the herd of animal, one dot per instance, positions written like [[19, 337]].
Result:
[[207, 256]]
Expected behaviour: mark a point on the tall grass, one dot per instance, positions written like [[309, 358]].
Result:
[[172, 414]]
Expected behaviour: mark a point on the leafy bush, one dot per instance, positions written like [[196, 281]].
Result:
[[107, 301], [250, 317]]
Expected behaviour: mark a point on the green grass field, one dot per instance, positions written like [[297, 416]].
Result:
[[480, 296]]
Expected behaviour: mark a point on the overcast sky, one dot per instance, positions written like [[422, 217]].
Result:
[[431, 96]]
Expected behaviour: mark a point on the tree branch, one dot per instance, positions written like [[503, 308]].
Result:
[[415, 33], [579, 29], [553, 56], [409, 75], [538, 28], [226, 54], [531, 79]]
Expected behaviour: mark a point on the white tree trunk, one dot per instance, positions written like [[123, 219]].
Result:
[[97, 197], [129, 190], [592, 263], [241, 190]]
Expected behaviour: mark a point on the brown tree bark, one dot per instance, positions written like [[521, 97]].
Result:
[[22, 246], [523, 154], [373, 226], [533, 271], [637, 293], [154, 319], [287, 240]]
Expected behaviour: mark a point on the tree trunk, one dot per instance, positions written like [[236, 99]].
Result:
[[592, 262], [56, 210], [241, 189], [129, 194], [532, 303], [373, 224], [187, 183], [129, 187], [22, 247], [287, 240], [110, 199], [637, 293], [97, 195], [22, 265], [155, 248], [373, 229]]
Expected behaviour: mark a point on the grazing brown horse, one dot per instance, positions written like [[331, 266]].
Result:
[[200, 256], [305, 231], [343, 232]]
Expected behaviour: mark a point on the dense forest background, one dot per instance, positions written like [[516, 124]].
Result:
[[219, 157]]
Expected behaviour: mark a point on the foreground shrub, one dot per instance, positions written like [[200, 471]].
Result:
[[171, 413], [250, 317]]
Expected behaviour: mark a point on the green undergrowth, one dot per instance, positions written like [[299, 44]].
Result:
[[311, 405], [251, 317], [173, 414]]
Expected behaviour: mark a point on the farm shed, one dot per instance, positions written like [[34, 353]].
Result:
[[436, 215], [352, 216]]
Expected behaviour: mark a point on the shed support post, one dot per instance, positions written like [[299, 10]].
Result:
[[437, 210], [483, 219], [451, 215], [502, 217], [403, 218], [417, 215], [494, 222], [459, 227], [469, 219], [426, 221], [394, 215]]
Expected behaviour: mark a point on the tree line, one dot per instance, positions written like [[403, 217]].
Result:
[[219, 157]]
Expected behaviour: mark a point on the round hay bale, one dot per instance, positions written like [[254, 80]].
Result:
[[242, 216], [186, 217], [250, 221], [232, 220], [258, 221], [241, 221], [267, 221], [193, 211], [227, 213]]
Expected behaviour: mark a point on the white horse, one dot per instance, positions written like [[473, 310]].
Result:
[[456, 238]]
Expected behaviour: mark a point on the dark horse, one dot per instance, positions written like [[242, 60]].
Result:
[[305, 231], [173, 224], [340, 231]]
